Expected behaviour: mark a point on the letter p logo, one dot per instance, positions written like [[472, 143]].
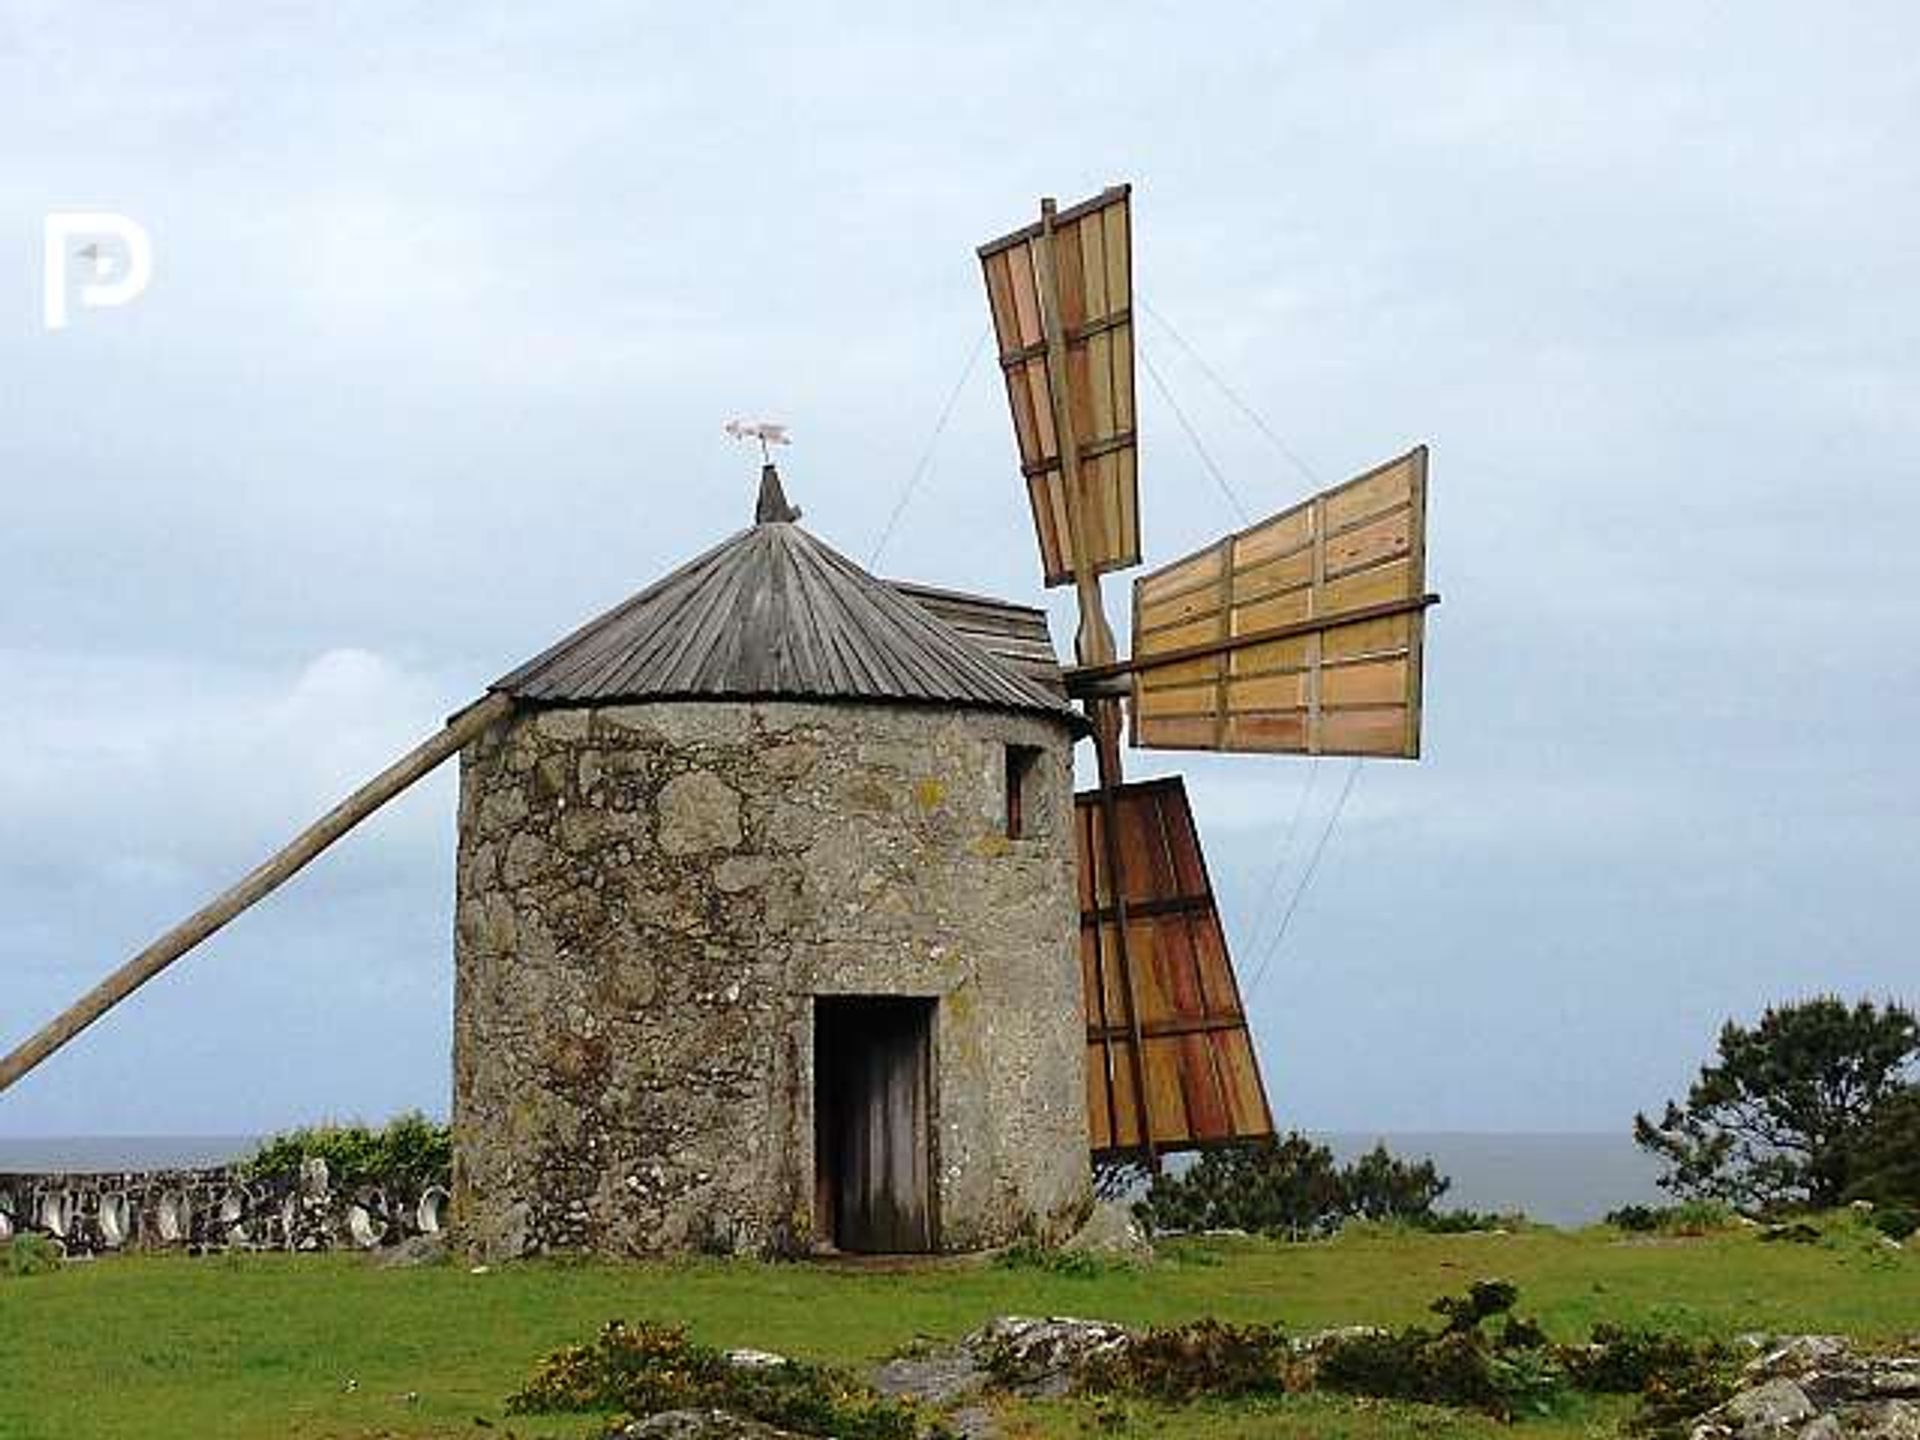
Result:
[[108, 275]]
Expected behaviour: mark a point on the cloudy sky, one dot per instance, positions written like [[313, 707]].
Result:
[[450, 302]]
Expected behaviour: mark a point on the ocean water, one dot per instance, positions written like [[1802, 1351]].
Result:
[[1562, 1179], [98, 1153]]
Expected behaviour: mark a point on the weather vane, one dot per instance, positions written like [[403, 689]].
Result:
[[763, 431]]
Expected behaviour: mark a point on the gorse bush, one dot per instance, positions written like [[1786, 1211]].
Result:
[[410, 1150], [1204, 1359], [1465, 1363], [1514, 1369], [646, 1368], [1291, 1188], [1625, 1360], [1481, 1355]]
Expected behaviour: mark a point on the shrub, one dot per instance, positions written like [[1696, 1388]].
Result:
[[1460, 1364], [30, 1255], [1484, 1299], [1379, 1187], [1185, 1362], [1896, 1222], [1624, 1360], [1672, 1400], [1416, 1364], [1291, 1188], [645, 1368], [1468, 1222], [1691, 1217], [410, 1150], [1635, 1219]]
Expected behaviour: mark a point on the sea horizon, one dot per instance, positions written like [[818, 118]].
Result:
[[1559, 1177]]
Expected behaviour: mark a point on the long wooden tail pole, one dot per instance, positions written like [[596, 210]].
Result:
[[1093, 646], [261, 882]]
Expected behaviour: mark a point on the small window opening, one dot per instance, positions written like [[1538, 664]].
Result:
[[1022, 762]]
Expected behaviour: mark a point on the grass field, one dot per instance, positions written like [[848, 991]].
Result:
[[312, 1346]]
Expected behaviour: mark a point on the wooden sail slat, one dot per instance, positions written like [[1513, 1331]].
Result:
[[1301, 634], [1202, 1085], [1092, 290]]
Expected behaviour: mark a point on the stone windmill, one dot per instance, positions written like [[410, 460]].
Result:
[[778, 921], [766, 921]]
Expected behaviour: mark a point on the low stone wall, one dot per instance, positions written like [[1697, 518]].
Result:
[[214, 1209]]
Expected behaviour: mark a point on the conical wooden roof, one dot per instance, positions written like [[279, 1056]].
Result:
[[775, 613]]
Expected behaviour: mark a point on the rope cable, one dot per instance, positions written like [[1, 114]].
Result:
[[933, 443], [1206, 458], [1271, 890], [1233, 396], [1306, 879]]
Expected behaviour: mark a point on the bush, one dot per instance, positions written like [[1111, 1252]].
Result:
[[1483, 1357], [1469, 1222], [1461, 1364], [1379, 1187], [31, 1255], [410, 1150], [1635, 1219], [1672, 1400], [1204, 1359], [1290, 1188], [1623, 1360], [1691, 1217], [1896, 1222], [645, 1368]]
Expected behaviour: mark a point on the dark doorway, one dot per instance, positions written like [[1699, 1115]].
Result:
[[872, 1106]]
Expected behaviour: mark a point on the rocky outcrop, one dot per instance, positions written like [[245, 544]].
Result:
[[1820, 1387], [1112, 1232], [1014, 1353]]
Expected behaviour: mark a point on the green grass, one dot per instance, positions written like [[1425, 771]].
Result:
[[249, 1346]]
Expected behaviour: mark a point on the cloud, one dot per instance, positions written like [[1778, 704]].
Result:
[[445, 321]]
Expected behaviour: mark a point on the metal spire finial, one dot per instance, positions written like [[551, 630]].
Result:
[[772, 507]]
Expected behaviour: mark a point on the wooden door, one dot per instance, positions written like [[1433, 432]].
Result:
[[872, 1083]]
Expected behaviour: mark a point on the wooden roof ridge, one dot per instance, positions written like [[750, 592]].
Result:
[[773, 612]]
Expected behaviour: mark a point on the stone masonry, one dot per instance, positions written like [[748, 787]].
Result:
[[650, 896]]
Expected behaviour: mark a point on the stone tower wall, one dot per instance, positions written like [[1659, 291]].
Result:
[[649, 896]]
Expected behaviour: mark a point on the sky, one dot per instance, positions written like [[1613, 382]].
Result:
[[450, 302]]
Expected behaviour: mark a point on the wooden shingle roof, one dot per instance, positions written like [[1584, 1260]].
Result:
[[776, 613]]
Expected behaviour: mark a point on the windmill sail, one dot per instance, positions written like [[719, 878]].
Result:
[[1300, 635], [1062, 299], [1168, 1021]]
